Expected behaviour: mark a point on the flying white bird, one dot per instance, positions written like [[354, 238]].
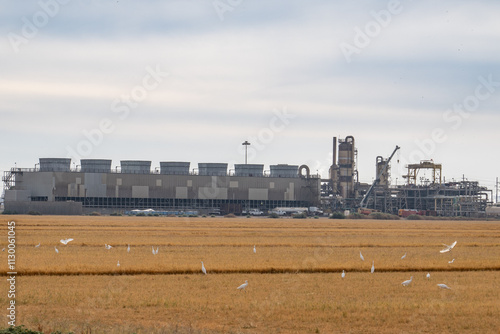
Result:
[[254, 250], [448, 247], [243, 286], [154, 251], [128, 249], [373, 266], [37, 245], [428, 275], [65, 241], [57, 250], [108, 246], [361, 256], [444, 286], [402, 257], [407, 282], [203, 268], [118, 264], [451, 261], [343, 274]]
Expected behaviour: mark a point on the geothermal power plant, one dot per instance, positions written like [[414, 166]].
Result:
[[93, 185]]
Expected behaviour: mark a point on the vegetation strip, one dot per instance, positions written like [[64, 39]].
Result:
[[249, 271]]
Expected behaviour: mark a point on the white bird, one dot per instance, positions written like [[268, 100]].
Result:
[[57, 250], [451, 261], [343, 274], [444, 286], [203, 268], [65, 241], [243, 286], [402, 257], [254, 250], [118, 264], [448, 247], [361, 256], [407, 282], [128, 249], [108, 246], [154, 251], [428, 275], [37, 245], [373, 266]]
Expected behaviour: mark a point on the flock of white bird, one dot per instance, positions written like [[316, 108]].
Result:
[[447, 249]]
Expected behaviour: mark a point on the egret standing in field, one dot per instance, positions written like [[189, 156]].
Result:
[[203, 268], [57, 250], [451, 261], [128, 249], [343, 274], [373, 267], [254, 250], [402, 257], [37, 245], [243, 286], [361, 256], [428, 275], [107, 246], [118, 264], [407, 282]]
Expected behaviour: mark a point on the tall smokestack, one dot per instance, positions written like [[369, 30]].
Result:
[[334, 151]]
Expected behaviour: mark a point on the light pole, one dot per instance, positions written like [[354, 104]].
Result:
[[246, 143]]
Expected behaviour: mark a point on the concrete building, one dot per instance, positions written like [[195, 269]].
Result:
[[95, 186]]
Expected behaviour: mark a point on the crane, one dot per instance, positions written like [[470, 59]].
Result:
[[377, 180]]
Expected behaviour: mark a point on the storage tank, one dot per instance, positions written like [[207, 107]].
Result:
[[95, 165], [212, 169], [135, 166], [248, 170], [174, 167], [55, 164], [284, 170]]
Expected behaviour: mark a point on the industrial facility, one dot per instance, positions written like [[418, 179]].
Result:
[[53, 187]]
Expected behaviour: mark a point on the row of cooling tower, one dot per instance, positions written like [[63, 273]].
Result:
[[168, 167]]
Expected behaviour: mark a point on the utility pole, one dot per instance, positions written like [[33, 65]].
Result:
[[496, 187], [246, 143]]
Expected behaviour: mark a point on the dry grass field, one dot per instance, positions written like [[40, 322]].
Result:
[[294, 278]]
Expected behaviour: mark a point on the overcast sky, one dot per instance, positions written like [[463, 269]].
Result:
[[191, 80]]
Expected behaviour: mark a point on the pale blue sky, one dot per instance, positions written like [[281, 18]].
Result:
[[230, 71]]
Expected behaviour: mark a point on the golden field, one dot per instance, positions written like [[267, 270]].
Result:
[[294, 277]]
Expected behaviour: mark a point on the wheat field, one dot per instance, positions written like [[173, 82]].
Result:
[[295, 283]]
